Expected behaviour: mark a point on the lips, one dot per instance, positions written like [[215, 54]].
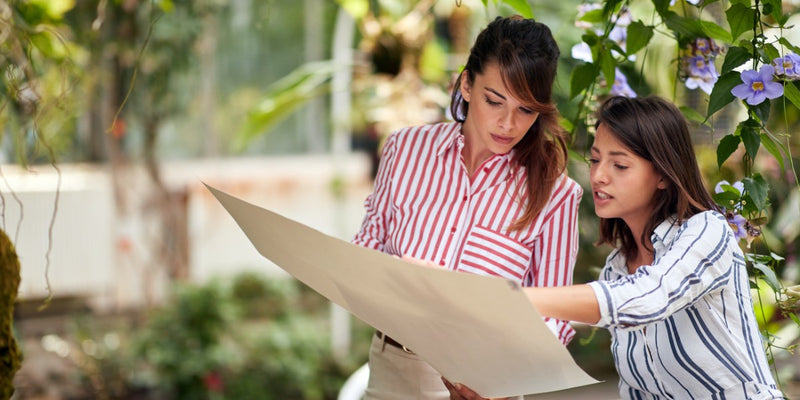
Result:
[[602, 196], [502, 139]]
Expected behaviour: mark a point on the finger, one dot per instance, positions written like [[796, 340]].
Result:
[[454, 395]]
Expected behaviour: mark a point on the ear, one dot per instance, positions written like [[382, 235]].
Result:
[[662, 184], [466, 87]]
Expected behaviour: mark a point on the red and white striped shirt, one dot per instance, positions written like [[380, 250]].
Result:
[[424, 206]]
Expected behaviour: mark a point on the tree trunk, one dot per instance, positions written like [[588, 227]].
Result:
[[10, 355]]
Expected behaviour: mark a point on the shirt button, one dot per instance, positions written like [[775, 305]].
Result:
[[452, 230], [441, 262], [464, 198]]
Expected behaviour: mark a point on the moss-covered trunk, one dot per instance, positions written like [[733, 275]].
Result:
[[10, 355]]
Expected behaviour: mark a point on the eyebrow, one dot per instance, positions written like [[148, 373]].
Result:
[[613, 153], [496, 93]]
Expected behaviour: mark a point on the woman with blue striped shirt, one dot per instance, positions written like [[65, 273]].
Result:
[[675, 292]]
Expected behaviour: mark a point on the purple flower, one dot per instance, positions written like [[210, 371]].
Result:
[[700, 73], [758, 86], [620, 86], [582, 51], [788, 66], [739, 225]]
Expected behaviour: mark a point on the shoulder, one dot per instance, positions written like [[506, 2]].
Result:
[[424, 135], [564, 190], [708, 230], [705, 223]]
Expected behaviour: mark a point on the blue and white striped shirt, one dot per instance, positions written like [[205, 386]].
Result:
[[684, 327]]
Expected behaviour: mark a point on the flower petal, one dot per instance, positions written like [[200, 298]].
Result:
[[742, 91], [773, 90], [766, 72], [749, 76], [756, 98]]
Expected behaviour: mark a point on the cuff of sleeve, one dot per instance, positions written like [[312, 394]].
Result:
[[603, 296]]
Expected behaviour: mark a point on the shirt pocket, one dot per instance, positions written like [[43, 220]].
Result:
[[487, 252]]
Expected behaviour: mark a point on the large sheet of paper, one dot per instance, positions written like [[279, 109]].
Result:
[[477, 330]]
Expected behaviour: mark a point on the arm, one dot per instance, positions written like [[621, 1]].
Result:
[[572, 303], [373, 229]]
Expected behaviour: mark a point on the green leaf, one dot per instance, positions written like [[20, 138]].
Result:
[[608, 66], [757, 188], [582, 77], [593, 16], [772, 148], [768, 276], [740, 19], [610, 7], [692, 115], [774, 8], [639, 36], [736, 56], [55, 9], [771, 52], [721, 94], [726, 199], [751, 140], [762, 110], [682, 26], [792, 93], [284, 97], [521, 6], [715, 31], [726, 147], [359, 8], [789, 45]]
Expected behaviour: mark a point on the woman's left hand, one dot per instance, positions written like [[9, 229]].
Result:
[[461, 392]]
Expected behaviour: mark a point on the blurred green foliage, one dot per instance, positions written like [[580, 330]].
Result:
[[246, 337]]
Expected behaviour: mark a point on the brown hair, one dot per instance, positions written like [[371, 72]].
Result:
[[527, 56], [655, 130]]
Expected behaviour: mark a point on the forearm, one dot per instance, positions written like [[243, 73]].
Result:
[[573, 303]]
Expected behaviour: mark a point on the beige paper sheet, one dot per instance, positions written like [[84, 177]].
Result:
[[477, 330]]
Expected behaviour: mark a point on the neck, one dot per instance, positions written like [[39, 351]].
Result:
[[473, 158]]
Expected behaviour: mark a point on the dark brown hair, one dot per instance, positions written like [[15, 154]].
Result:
[[527, 56], [655, 130]]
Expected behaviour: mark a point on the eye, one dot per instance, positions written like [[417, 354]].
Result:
[[592, 160], [620, 166], [492, 102], [527, 111]]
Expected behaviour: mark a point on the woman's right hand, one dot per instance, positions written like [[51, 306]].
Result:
[[461, 392]]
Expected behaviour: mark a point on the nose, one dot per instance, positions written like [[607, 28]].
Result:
[[597, 173], [507, 120]]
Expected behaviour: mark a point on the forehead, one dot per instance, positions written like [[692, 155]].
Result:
[[492, 78], [605, 141]]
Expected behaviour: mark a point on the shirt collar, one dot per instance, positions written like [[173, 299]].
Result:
[[666, 229], [662, 235], [449, 138]]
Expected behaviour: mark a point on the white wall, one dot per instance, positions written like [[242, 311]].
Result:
[[103, 256]]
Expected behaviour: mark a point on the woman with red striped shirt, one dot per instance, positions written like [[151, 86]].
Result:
[[485, 194]]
